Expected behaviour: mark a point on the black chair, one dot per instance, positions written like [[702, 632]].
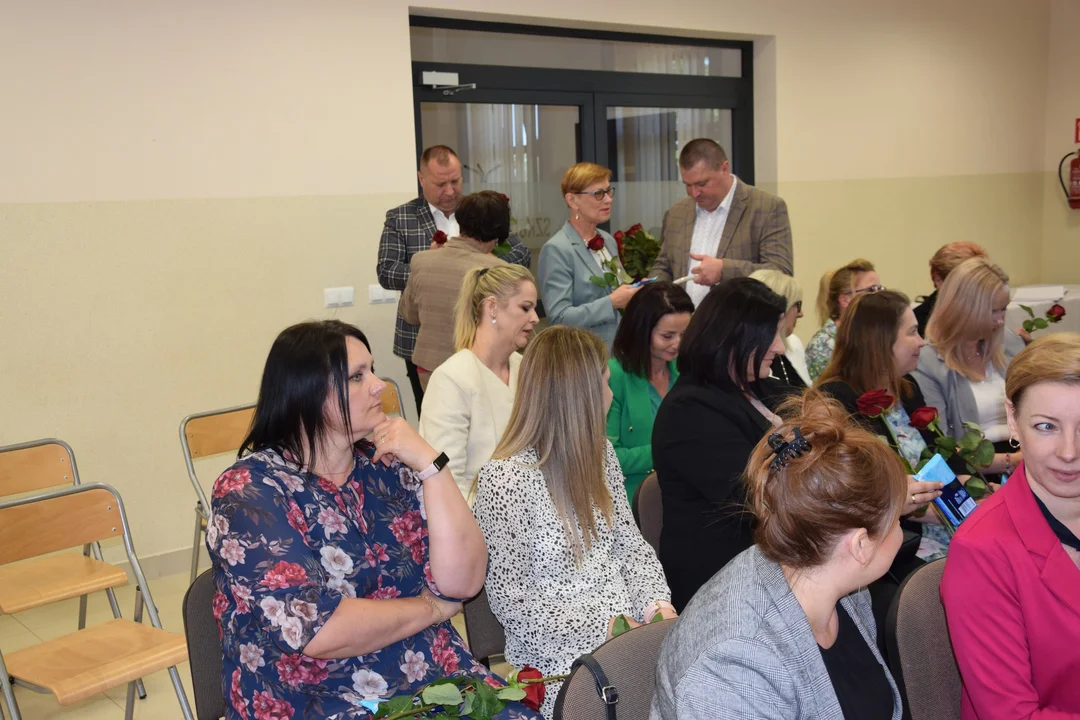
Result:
[[648, 508], [485, 633], [629, 662], [204, 647], [920, 651]]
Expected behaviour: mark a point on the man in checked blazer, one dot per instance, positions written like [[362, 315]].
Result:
[[409, 228], [725, 229]]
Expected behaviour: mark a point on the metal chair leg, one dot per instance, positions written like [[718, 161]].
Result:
[[195, 542], [82, 598], [181, 696], [139, 601], [9, 692], [129, 708]]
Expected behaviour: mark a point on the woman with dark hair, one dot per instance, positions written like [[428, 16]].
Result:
[[436, 277], [338, 561], [708, 425], [643, 370]]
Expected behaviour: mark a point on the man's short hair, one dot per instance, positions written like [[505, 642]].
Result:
[[702, 150], [441, 154]]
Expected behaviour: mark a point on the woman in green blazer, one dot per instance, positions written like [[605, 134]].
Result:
[[642, 371]]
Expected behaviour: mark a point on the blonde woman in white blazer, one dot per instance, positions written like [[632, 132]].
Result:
[[469, 397]]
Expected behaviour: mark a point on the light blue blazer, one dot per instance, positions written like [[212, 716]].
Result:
[[570, 298]]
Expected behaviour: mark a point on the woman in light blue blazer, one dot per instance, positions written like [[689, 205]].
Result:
[[578, 252], [785, 630]]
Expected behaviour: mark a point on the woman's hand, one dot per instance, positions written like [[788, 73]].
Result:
[[395, 438], [448, 608], [621, 295], [919, 494]]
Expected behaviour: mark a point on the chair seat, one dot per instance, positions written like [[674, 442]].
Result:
[[75, 666], [52, 578]]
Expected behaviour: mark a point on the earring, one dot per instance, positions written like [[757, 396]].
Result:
[[492, 318], [577, 216], [1014, 443]]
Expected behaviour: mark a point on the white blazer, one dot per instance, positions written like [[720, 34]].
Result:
[[466, 409]]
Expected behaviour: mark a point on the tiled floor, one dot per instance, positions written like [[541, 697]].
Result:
[[27, 628]]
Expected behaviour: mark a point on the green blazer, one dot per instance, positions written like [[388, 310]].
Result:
[[630, 423]]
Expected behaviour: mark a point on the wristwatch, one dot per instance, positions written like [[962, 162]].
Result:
[[433, 469]]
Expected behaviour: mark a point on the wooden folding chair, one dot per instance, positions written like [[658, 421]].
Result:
[[28, 468], [391, 398], [202, 435], [91, 660]]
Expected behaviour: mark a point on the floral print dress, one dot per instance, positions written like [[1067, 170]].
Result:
[[820, 348], [287, 546]]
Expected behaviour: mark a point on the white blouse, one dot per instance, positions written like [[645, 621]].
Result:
[[465, 411], [990, 399], [553, 611]]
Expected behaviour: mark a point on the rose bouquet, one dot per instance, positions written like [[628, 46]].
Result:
[[1053, 315], [469, 697], [614, 275], [637, 250]]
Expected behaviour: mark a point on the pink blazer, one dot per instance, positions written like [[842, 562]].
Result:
[[1012, 598]]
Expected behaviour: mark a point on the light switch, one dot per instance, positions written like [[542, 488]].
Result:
[[378, 294], [338, 297]]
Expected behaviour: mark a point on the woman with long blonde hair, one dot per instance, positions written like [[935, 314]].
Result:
[[961, 370], [469, 398], [836, 291], [564, 555]]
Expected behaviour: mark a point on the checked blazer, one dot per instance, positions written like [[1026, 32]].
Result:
[[757, 235], [408, 230]]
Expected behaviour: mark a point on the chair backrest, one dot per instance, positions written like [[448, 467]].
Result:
[[486, 634], [62, 519], [210, 433], [36, 465], [648, 507], [920, 651], [391, 398], [629, 661], [204, 647]]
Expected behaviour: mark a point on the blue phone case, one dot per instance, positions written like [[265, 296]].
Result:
[[955, 504]]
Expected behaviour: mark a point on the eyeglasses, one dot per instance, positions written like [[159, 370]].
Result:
[[599, 194], [797, 305], [869, 290]]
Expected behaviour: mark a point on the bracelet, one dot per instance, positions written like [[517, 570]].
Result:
[[434, 607]]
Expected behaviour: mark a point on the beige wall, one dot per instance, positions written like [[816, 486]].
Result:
[[181, 180]]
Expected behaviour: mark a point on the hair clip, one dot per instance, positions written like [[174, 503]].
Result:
[[786, 451], [482, 273]]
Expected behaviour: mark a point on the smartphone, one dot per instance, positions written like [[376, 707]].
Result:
[[955, 504]]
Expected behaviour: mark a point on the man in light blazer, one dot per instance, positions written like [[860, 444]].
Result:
[[411, 227], [724, 229]]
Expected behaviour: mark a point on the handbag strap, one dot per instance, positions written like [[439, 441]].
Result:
[[607, 692]]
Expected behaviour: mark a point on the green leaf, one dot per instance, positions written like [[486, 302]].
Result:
[[596, 280], [984, 454], [487, 703], [975, 487], [921, 465], [510, 693], [1041, 324], [467, 707], [610, 278], [621, 625], [395, 705], [445, 694], [946, 445], [974, 426], [970, 441], [1029, 326], [1028, 310], [444, 716], [658, 617]]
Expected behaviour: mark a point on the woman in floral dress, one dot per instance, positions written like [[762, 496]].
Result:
[[337, 561]]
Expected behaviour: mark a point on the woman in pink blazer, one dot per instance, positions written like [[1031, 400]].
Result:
[[1011, 587]]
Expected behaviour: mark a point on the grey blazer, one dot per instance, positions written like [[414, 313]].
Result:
[[570, 298], [743, 648], [949, 391]]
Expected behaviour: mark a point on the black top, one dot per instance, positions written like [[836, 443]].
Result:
[[785, 372], [857, 677], [701, 442], [923, 311]]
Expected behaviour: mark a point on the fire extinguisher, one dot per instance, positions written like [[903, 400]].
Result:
[[1072, 192]]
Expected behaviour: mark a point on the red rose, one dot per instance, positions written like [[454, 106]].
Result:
[[297, 519], [230, 481], [534, 692], [634, 229], [1055, 313], [283, 575], [439, 237], [505, 197], [875, 402], [596, 243], [921, 418], [619, 236]]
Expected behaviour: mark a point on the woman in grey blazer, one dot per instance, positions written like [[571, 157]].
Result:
[[577, 252], [961, 370], [785, 630]]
